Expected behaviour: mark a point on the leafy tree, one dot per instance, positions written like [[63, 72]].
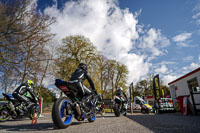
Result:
[[46, 94], [24, 32], [75, 49], [145, 87]]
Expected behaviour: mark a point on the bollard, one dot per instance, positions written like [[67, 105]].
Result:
[[34, 119]]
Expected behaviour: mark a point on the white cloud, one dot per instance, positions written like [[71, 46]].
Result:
[[183, 44], [168, 62], [163, 69], [197, 6], [188, 58], [192, 66], [182, 37], [153, 42], [196, 16], [169, 78], [112, 30], [196, 9]]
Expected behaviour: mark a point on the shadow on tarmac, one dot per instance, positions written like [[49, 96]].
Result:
[[168, 123], [33, 127], [105, 116]]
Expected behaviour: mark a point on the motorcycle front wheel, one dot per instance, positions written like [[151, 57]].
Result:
[[92, 115], [34, 109], [62, 115], [4, 113]]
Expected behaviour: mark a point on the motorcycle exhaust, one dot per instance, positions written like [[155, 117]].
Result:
[[12, 107], [78, 109]]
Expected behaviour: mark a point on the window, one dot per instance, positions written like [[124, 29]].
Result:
[[137, 101], [150, 102], [193, 85], [143, 102]]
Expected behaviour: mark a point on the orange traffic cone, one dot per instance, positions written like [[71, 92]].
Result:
[[34, 119]]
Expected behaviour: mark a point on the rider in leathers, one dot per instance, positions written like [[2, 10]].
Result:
[[77, 78], [24, 93], [120, 93]]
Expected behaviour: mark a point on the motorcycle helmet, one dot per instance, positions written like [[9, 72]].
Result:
[[120, 88], [30, 83], [83, 66]]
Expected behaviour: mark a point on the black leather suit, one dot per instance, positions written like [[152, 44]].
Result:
[[24, 94], [77, 79]]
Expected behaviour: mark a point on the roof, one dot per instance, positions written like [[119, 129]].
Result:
[[188, 74]]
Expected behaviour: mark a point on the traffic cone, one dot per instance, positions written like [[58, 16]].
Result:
[[34, 119]]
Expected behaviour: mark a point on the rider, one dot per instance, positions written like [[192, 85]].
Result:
[[120, 93], [24, 93], [77, 78]]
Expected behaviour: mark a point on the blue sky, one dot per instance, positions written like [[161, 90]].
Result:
[[172, 17], [149, 36]]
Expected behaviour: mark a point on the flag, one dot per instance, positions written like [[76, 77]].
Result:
[[156, 87], [131, 92]]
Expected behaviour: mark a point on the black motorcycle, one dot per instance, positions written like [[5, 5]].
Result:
[[120, 106], [100, 105], [70, 106], [12, 108]]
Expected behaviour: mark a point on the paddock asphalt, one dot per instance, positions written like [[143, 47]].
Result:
[[132, 123]]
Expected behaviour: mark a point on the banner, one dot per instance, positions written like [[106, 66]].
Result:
[[131, 92], [156, 87], [163, 93]]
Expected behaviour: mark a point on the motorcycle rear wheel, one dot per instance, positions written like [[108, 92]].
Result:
[[60, 117], [116, 110]]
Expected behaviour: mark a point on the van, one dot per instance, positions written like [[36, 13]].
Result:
[[140, 104]]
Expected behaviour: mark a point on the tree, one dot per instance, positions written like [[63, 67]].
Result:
[[103, 73], [145, 87], [24, 32], [46, 94], [121, 76], [75, 49]]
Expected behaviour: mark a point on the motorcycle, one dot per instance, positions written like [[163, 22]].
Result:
[[71, 106], [13, 108], [100, 105], [120, 106]]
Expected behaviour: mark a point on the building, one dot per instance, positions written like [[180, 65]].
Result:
[[149, 100], [187, 85]]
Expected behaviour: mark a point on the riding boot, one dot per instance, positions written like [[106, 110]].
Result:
[[20, 109]]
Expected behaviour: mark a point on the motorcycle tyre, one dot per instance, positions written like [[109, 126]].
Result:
[[58, 122]]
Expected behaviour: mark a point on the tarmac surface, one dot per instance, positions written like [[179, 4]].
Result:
[[132, 123]]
